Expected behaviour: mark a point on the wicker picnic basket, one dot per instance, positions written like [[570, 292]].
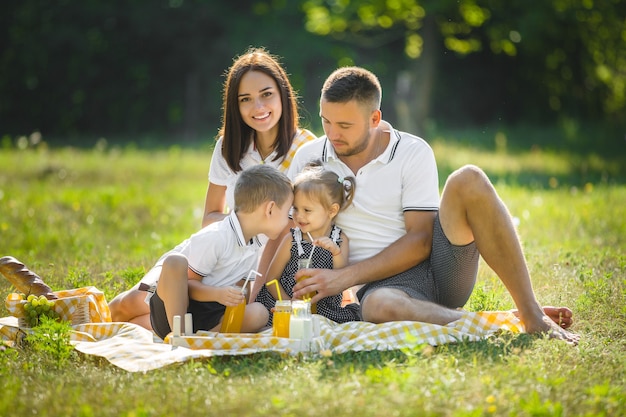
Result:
[[78, 306], [73, 309]]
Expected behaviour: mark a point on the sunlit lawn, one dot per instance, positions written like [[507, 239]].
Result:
[[102, 216]]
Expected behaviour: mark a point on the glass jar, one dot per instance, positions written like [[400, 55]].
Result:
[[281, 320]]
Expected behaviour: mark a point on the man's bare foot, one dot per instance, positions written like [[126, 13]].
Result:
[[562, 316], [547, 326]]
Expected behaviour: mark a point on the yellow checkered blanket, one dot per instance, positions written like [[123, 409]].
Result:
[[134, 348]]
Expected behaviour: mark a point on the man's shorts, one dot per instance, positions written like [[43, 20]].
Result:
[[205, 314], [446, 278]]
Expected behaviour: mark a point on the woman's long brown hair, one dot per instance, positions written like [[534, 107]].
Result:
[[236, 133]]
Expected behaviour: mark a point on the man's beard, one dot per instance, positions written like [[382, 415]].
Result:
[[360, 146]]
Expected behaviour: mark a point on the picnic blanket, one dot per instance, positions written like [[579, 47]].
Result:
[[136, 349]]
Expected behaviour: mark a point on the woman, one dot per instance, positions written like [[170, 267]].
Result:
[[259, 126]]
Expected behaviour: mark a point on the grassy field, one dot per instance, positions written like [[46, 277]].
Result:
[[101, 216]]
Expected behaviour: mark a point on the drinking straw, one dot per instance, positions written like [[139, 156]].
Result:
[[252, 271], [277, 288], [312, 249]]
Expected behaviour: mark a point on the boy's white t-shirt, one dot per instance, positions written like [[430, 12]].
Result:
[[219, 253]]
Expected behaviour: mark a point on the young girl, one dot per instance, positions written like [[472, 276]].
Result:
[[319, 195]]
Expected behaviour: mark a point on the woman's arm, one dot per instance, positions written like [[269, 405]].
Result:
[[214, 204]]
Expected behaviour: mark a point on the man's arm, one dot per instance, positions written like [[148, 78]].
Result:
[[406, 252]]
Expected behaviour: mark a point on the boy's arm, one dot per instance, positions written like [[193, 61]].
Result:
[[227, 296], [277, 266]]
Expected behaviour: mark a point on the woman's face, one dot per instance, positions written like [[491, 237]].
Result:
[[259, 101]]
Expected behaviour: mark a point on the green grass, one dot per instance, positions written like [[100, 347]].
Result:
[[103, 216]]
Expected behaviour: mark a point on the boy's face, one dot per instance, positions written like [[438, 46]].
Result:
[[279, 219]]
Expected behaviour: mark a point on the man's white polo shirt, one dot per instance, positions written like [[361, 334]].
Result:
[[403, 178]]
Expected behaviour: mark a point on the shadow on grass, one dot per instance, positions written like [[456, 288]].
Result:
[[494, 349]]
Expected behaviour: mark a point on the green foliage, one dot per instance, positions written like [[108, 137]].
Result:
[[73, 70], [141, 68], [571, 54], [486, 299], [51, 340]]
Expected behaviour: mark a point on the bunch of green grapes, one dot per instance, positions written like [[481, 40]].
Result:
[[38, 306]]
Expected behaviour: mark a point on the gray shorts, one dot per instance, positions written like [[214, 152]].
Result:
[[446, 278]]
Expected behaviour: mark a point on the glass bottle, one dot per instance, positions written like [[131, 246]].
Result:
[[301, 324], [305, 264], [233, 317]]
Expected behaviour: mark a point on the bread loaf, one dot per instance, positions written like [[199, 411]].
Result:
[[23, 279]]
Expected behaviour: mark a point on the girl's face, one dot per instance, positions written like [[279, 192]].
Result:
[[310, 216], [259, 101]]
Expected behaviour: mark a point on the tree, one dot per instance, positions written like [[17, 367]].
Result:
[[561, 57]]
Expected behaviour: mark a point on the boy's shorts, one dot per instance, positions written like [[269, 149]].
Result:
[[446, 278], [205, 314]]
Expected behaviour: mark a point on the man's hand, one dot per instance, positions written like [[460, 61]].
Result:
[[325, 282]]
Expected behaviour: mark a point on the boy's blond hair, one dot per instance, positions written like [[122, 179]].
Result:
[[259, 184]]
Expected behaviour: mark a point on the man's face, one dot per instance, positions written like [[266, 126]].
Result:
[[347, 126]]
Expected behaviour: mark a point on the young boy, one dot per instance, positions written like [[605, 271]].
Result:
[[200, 274]]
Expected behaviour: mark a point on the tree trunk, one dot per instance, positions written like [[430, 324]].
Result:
[[414, 86]]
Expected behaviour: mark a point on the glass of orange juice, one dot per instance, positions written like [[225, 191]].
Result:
[[233, 317], [304, 264], [282, 315]]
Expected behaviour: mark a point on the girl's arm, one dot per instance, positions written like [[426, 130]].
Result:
[[214, 204], [227, 296], [340, 253], [340, 260], [277, 266]]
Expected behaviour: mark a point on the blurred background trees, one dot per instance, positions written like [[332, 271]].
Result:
[[132, 69]]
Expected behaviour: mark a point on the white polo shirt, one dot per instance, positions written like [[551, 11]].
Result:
[[221, 174], [403, 178], [219, 253]]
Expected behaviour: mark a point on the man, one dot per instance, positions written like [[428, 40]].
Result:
[[416, 254]]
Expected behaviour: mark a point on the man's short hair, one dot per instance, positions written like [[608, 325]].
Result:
[[259, 184], [353, 83]]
